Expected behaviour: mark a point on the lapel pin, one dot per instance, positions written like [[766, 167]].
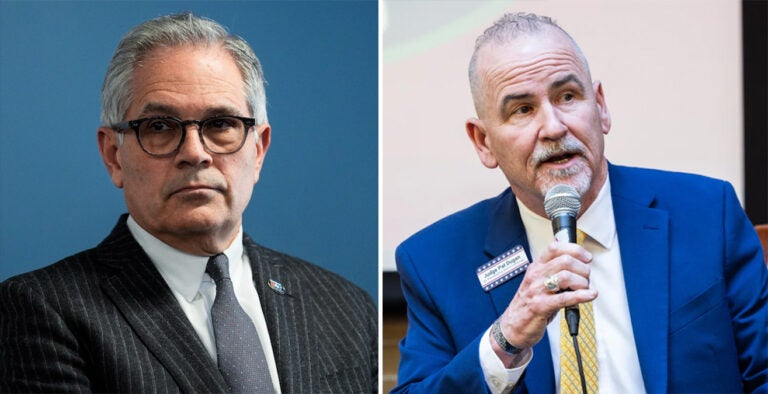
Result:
[[276, 286]]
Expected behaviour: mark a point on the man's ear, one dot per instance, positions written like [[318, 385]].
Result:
[[263, 133], [110, 154], [478, 135], [605, 116]]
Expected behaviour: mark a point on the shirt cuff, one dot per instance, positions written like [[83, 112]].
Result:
[[498, 378]]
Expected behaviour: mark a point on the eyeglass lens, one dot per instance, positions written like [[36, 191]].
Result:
[[162, 136]]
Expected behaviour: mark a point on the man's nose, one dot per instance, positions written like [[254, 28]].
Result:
[[552, 126], [192, 151]]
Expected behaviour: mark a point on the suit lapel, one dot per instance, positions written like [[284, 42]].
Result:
[[540, 374], [138, 290], [290, 326], [643, 236], [506, 232]]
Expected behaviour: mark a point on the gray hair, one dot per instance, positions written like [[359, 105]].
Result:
[[505, 30], [172, 31]]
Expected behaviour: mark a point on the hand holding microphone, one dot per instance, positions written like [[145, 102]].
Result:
[[561, 266]]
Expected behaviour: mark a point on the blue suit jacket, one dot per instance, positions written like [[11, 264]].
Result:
[[696, 286]]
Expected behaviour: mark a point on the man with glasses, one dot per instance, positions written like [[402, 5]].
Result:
[[177, 297]]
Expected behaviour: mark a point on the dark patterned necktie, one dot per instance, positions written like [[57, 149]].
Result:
[[240, 355]]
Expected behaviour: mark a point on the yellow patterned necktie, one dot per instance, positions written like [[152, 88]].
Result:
[[570, 381]]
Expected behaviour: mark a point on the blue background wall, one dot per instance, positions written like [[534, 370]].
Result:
[[317, 197]]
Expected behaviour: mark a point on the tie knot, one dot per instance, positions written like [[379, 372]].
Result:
[[580, 236], [218, 267]]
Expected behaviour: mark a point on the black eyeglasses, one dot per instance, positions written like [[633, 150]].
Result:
[[162, 136]]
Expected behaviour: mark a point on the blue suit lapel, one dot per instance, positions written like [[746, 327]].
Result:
[[540, 375], [644, 241], [505, 232]]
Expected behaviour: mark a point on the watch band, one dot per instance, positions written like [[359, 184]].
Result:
[[501, 340]]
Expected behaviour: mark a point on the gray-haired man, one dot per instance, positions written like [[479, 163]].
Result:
[[177, 297]]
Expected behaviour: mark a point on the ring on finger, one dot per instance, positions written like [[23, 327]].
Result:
[[552, 284]]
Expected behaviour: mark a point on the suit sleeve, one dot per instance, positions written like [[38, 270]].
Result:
[[38, 353], [747, 291], [429, 361]]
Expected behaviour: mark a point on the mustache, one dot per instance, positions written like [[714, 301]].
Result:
[[568, 146], [198, 179]]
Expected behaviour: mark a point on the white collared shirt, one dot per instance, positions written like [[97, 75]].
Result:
[[618, 363], [195, 290]]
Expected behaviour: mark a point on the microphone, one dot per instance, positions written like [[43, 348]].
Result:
[[562, 204]]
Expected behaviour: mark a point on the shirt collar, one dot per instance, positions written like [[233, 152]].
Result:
[[597, 221], [184, 272]]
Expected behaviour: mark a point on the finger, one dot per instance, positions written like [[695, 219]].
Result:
[[563, 272], [556, 249], [542, 268], [566, 280], [570, 298], [569, 264]]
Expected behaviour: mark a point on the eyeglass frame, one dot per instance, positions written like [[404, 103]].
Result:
[[134, 125]]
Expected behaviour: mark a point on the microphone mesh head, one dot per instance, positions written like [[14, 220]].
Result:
[[562, 199]]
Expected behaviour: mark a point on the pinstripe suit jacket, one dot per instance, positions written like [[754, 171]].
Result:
[[105, 320]]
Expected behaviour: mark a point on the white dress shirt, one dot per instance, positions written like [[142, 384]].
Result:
[[618, 363], [195, 290]]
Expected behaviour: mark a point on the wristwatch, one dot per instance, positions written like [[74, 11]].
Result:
[[501, 340]]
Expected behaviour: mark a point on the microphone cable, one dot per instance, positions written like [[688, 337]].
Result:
[[572, 318]]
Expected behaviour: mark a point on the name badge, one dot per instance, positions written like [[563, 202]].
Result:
[[503, 268]]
